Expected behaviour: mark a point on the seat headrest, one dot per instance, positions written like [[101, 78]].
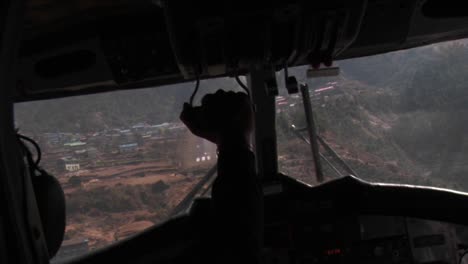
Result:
[[51, 204]]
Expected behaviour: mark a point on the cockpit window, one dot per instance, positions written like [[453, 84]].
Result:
[[124, 159], [400, 117]]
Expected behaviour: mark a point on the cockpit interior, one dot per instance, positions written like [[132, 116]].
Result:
[[360, 135]]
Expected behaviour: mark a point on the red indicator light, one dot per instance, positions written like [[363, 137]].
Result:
[[333, 252]]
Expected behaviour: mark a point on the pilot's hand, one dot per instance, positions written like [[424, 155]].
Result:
[[222, 117]]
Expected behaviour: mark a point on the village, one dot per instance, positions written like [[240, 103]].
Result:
[[168, 145], [165, 157]]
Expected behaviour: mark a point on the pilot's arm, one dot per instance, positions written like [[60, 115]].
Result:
[[225, 118]]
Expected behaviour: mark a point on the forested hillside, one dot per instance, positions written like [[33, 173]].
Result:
[[92, 113], [400, 117]]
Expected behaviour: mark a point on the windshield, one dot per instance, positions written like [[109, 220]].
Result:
[[124, 159], [399, 117]]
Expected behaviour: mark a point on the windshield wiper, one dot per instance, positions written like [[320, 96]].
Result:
[[314, 140], [299, 135], [311, 129], [330, 151], [185, 203]]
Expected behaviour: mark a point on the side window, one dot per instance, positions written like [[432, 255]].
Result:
[[398, 117], [124, 159]]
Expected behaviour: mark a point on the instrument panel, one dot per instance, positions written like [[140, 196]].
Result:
[[352, 221], [365, 239]]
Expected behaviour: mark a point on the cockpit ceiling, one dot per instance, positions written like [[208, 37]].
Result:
[[86, 46], [44, 16]]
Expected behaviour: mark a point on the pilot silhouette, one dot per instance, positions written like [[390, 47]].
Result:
[[226, 119]]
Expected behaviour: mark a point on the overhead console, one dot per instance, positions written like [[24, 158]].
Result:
[[169, 41], [217, 38], [100, 46], [103, 54]]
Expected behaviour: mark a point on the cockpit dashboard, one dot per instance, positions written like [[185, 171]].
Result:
[[350, 221]]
